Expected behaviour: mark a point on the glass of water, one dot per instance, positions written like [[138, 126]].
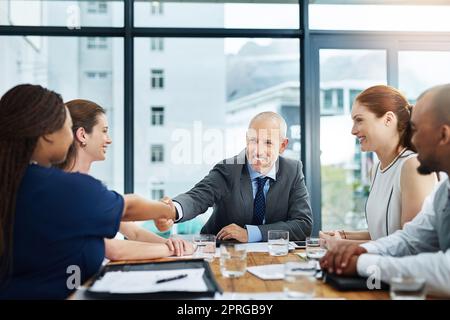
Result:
[[407, 288], [205, 246], [315, 249], [233, 260], [278, 241], [299, 280]]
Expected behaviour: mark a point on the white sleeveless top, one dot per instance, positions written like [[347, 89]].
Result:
[[384, 204]]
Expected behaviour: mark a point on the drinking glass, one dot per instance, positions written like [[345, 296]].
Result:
[[299, 280], [315, 249], [407, 288], [205, 246], [278, 242], [233, 260]]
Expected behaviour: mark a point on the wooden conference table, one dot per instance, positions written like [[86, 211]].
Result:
[[251, 283]]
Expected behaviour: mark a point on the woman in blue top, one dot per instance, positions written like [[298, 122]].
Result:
[[52, 223]]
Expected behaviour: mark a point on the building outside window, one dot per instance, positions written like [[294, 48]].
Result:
[[157, 194], [157, 44], [157, 153], [157, 78], [97, 43], [156, 8], [157, 116], [97, 7]]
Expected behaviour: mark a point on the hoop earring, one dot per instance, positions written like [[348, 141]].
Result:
[[83, 144]]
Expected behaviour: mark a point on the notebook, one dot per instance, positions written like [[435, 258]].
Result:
[[182, 279], [343, 283]]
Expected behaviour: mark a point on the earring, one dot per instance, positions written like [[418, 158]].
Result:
[[83, 144]]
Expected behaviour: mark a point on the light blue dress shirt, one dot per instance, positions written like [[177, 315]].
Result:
[[254, 234]]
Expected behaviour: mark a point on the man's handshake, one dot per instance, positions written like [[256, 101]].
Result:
[[165, 224]]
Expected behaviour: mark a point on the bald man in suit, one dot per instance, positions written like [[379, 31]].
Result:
[[253, 192]]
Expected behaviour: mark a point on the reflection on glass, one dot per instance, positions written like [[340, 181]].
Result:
[[420, 70], [282, 14], [73, 69], [344, 169], [212, 88], [377, 17], [70, 14]]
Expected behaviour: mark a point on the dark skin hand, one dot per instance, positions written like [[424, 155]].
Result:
[[342, 259]]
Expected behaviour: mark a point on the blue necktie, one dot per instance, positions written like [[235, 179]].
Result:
[[259, 204]]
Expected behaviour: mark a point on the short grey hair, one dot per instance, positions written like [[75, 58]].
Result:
[[273, 116]]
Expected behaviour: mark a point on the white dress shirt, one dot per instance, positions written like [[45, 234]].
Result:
[[413, 251]]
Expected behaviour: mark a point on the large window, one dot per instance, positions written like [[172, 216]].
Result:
[[72, 14], [213, 88], [281, 14], [344, 169], [198, 89], [376, 17], [419, 70], [65, 65], [181, 79]]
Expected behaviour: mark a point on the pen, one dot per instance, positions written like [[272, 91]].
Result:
[[303, 269], [173, 278]]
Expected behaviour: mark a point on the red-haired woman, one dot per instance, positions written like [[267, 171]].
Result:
[[381, 122]]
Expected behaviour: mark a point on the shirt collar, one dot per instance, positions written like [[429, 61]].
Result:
[[272, 174]]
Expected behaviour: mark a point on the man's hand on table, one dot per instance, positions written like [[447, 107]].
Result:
[[342, 259]]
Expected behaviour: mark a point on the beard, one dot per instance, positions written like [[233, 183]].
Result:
[[424, 170], [427, 167]]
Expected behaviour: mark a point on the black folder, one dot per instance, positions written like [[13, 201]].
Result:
[[343, 283], [208, 277], [231, 241]]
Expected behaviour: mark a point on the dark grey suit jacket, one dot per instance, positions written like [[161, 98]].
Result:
[[228, 189]]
